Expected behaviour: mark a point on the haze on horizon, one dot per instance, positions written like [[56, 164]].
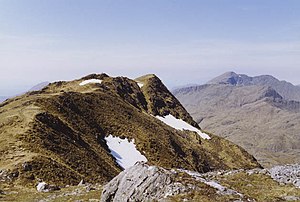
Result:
[[182, 42]]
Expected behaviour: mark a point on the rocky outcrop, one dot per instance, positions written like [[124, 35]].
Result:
[[287, 174], [142, 183]]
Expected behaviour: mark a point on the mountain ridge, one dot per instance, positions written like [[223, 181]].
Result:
[[255, 117], [284, 88], [59, 133]]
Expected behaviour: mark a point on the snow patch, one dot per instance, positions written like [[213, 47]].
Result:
[[181, 125], [90, 81], [140, 84], [124, 151]]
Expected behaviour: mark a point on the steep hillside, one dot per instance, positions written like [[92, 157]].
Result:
[[66, 132], [256, 117], [161, 101]]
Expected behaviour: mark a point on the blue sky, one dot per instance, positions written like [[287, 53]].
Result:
[[184, 41]]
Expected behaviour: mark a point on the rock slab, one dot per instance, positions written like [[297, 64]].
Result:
[[142, 182]]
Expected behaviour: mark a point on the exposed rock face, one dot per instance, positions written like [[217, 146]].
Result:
[[288, 174], [141, 183]]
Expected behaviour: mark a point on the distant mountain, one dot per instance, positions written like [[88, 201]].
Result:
[[285, 89], [250, 112], [183, 86], [39, 86], [94, 127], [2, 98]]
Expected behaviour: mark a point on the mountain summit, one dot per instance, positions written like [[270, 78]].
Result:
[[94, 127], [285, 89]]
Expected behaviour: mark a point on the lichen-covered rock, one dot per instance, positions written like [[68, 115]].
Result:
[[142, 182]]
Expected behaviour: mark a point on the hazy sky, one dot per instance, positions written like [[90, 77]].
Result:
[[184, 41]]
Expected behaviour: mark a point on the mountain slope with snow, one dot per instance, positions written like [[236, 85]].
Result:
[[179, 124], [124, 151], [63, 132]]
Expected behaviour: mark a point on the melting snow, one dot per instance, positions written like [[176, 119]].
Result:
[[140, 84], [181, 125], [124, 151], [90, 81]]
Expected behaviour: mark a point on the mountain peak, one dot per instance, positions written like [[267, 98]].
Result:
[[233, 78], [146, 78], [230, 73], [226, 78], [285, 89], [95, 76], [161, 101]]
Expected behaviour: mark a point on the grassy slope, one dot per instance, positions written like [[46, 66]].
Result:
[[60, 131], [258, 187]]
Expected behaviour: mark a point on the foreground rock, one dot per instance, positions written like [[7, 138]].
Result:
[[142, 183]]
